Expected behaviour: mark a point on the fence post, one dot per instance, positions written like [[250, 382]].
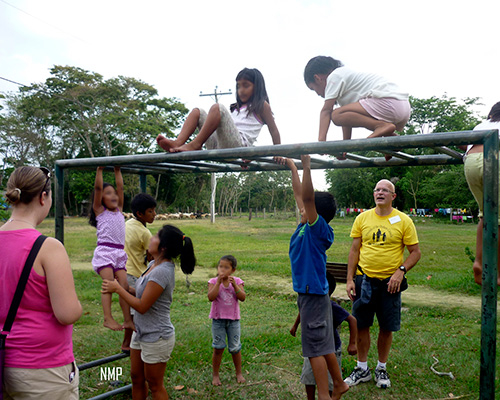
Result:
[[59, 217], [490, 263]]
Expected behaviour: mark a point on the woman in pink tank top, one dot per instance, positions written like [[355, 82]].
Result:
[[39, 361]]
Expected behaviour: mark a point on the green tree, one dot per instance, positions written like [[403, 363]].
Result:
[[442, 114], [229, 189], [88, 116], [24, 139], [414, 184], [266, 189], [77, 113]]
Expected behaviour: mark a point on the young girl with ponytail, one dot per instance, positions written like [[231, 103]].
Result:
[[154, 339]]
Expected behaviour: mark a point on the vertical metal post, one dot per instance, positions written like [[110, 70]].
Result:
[[143, 182], [212, 197], [59, 204], [490, 263]]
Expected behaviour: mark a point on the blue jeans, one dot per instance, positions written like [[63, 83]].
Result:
[[226, 327]]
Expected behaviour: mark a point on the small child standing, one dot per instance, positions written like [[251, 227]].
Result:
[[339, 315], [137, 237], [224, 291], [366, 100], [109, 256], [308, 247]]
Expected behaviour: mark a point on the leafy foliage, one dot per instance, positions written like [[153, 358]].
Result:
[[94, 117], [77, 113], [417, 187]]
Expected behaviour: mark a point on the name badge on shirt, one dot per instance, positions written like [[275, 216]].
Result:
[[395, 219]]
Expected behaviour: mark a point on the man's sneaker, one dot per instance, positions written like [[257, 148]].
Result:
[[382, 378], [358, 375]]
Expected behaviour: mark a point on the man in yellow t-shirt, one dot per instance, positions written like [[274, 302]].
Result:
[[137, 238], [376, 276]]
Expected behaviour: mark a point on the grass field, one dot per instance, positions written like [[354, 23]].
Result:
[[441, 315]]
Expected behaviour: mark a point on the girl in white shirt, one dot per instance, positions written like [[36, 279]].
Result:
[[221, 128], [366, 100]]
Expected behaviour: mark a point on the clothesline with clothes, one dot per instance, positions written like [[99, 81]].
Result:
[[456, 214]]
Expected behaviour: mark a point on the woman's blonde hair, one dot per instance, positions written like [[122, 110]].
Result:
[[26, 183]]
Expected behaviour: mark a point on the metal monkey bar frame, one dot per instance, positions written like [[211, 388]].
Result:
[[261, 159]]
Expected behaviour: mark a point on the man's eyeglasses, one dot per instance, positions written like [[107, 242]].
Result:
[[48, 174], [383, 190]]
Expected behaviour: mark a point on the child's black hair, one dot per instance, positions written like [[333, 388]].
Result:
[[256, 103], [231, 259], [141, 203], [332, 283], [326, 206], [494, 115], [173, 243], [320, 65], [92, 216]]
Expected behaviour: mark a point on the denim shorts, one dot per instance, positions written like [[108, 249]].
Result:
[[226, 327], [373, 298]]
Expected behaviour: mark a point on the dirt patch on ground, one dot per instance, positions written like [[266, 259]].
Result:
[[415, 295]]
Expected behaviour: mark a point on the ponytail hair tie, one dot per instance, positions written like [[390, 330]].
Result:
[[183, 237], [18, 190]]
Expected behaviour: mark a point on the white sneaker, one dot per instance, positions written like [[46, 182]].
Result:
[[358, 375], [382, 378]]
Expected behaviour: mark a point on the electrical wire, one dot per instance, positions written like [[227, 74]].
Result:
[[45, 22]]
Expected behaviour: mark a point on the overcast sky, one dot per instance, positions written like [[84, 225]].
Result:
[[186, 46]]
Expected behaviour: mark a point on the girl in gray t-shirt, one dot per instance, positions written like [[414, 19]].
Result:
[[154, 338]]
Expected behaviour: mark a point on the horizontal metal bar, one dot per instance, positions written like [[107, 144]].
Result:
[[450, 152], [292, 150], [114, 392], [353, 162], [101, 361], [357, 157], [399, 154]]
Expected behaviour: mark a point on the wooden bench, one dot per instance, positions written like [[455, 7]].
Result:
[[338, 270]]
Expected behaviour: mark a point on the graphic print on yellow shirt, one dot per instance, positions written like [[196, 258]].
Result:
[[383, 240]]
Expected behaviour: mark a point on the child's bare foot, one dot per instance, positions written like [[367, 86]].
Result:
[[112, 324], [386, 129], [129, 325], [216, 381], [339, 390], [165, 144], [240, 379], [185, 147], [477, 268]]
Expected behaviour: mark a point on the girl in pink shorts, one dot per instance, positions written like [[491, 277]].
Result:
[[366, 100], [109, 256]]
